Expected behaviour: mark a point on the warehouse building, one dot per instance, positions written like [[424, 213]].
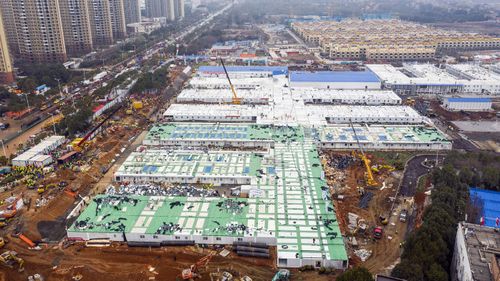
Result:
[[476, 256], [362, 80], [243, 71], [467, 104], [37, 155]]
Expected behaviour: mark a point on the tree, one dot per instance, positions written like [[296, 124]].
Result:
[[356, 274], [27, 85], [437, 273]]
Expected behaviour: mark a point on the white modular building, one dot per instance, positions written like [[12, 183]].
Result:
[[254, 96], [242, 71], [362, 80], [467, 104], [213, 113], [222, 83], [429, 79], [384, 114], [46, 146], [478, 79], [353, 97]]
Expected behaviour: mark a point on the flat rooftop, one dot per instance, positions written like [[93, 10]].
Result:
[[275, 70], [381, 134], [261, 95], [481, 242], [474, 71], [333, 76], [423, 74], [161, 164], [293, 208], [204, 131], [294, 113], [346, 96]]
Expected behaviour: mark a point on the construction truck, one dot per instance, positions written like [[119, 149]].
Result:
[[410, 102], [282, 275], [10, 258], [378, 232], [193, 271]]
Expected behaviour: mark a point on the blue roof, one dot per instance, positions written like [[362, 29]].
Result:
[[276, 70], [334, 76], [491, 207], [469, 100]]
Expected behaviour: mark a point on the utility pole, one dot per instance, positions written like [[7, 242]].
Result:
[[59, 85]]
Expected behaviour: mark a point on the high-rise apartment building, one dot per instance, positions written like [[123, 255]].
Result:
[[170, 9], [76, 26], [100, 22], [179, 7], [39, 30], [6, 70], [132, 11], [117, 13], [154, 8], [161, 9], [9, 26]]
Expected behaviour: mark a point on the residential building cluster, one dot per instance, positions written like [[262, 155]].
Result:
[[169, 9], [356, 39], [48, 31]]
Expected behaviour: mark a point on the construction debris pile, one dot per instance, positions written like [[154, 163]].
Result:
[[155, 190]]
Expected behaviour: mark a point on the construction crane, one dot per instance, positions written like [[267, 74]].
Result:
[[236, 99], [192, 272], [370, 180]]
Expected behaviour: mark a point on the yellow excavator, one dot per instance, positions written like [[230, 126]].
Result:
[[236, 99], [10, 258], [370, 180]]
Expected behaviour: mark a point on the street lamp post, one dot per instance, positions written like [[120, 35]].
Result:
[[3, 147]]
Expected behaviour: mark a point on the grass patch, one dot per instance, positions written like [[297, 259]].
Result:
[[395, 159]]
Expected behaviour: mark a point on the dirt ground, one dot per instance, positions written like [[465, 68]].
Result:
[[385, 251]]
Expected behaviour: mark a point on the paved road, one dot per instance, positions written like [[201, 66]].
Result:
[[413, 171]]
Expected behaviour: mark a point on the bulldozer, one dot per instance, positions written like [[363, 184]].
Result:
[[10, 258]]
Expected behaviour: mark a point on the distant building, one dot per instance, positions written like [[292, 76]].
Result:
[[39, 30], [6, 71], [143, 27], [477, 253], [100, 21], [117, 14], [160, 9], [132, 11], [76, 26], [336, 80], [467, 104], [179, 7]]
